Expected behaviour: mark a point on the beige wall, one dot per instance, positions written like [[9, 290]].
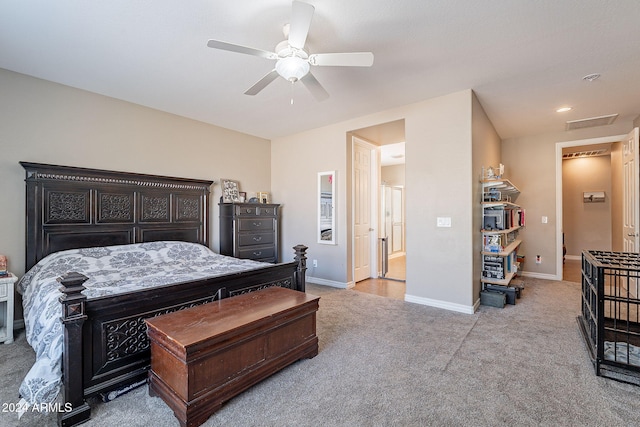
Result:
[[448, 140], [531, 165], [586, 225], [393, 175], [439, 182], [486, 152], [45, 122]]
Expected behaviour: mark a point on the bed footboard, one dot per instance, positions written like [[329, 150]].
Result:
[[105, 342]]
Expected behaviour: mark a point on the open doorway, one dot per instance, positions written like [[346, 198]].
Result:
[[588, 200], [387, 229], [392, 212], [589, 206]]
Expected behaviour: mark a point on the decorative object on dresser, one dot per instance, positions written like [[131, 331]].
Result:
[[203, 356], [501, 221], [104, 345], [250, 231], [263, 197], [230, 191]]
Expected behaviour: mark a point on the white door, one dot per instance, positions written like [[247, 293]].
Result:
[[361, 210], [630, 200]]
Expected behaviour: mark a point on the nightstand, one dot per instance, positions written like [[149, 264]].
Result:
[[6, 308]]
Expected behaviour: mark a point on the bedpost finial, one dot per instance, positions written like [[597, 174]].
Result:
[[301, 253], [72, 283]]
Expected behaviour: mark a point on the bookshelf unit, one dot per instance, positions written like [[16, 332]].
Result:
[[502, 219]]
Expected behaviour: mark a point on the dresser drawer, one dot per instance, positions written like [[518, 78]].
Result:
[[256, 224], [257, 253], [256, 210], [247, 210], [255, 239], [267, 211]]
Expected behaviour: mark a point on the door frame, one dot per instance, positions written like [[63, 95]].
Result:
[[559, 207]]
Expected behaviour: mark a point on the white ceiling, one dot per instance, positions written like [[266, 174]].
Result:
[[392, 154], [523, 58]]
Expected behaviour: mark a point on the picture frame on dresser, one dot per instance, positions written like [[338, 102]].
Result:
[[230, 191], [263, 197]]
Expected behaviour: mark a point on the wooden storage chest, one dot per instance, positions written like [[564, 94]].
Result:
[[203, 356]]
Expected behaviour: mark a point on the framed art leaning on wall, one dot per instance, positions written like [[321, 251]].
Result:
[[230, 191]]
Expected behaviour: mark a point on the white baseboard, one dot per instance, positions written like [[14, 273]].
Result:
[[574, 257], [539, 275], [443, 304], [325, 282]]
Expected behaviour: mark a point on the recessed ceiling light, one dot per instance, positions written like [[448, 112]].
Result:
[[563, 109], [591, 77]]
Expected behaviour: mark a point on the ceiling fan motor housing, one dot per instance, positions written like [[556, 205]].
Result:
[[292, 64]]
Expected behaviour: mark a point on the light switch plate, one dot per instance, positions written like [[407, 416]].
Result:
[[443, 221]]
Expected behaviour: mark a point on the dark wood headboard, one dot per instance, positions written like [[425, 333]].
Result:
[[70, 207]]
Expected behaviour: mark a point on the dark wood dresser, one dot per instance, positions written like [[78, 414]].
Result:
[[203, 356], [250, 230]]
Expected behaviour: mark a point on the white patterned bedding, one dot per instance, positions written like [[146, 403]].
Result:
[[111, 270]]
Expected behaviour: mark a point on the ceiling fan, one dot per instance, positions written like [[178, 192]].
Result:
[[292, 61]]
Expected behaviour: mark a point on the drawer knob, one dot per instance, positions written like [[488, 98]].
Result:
[[258, 253], [257, 224], [257, 238]]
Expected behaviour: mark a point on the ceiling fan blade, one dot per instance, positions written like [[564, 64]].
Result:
[[301, 15], [217, 44], [315, 87], [352, 59], [262, 83]]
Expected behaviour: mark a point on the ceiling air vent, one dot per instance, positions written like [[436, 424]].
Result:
[[589, 153], [593, 121]]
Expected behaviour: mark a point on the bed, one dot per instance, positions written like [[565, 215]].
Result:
[[80, 212]]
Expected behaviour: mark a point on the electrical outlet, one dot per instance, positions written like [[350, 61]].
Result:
[[538, 259], [315, 262]]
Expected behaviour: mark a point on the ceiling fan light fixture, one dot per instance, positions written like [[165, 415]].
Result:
[[292, 68]]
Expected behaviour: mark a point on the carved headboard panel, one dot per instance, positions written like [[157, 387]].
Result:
[[70, 207]]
